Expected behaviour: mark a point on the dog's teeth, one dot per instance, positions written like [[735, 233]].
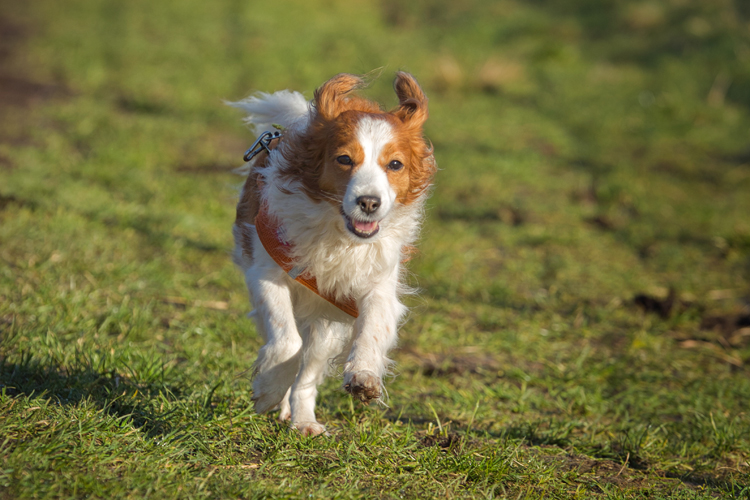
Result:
[[365, 227], [362, 228]]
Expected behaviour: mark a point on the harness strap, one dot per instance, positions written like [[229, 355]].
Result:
[[272, 237]]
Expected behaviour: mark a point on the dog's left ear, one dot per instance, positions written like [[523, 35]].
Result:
[[412, 108]]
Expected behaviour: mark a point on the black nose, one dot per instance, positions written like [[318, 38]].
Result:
[[368, 204]]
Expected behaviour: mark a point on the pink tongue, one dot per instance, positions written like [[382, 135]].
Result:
[[365, 227]]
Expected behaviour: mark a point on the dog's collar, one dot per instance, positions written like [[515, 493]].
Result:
[[271, 235]]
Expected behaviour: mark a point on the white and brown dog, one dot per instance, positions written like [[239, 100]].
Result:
[[325, 220]]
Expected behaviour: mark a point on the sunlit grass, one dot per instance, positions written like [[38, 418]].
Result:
[[589, 152]]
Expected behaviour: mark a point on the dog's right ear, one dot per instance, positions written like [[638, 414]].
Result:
[[329, 96]]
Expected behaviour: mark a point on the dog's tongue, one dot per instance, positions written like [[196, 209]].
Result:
[[364, 227]]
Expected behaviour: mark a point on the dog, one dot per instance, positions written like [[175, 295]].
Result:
[[332, 204]]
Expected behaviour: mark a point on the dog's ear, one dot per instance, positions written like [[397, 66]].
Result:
[[329, 96], [412, 108]]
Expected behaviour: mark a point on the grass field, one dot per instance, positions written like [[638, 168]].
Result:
[[583, 326]]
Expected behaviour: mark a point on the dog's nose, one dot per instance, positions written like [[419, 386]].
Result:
[[368, 204]]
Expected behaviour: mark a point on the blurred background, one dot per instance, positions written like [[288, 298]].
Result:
[[585, 264], [625, 118]]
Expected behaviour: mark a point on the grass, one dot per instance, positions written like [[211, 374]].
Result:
[[590, 153]]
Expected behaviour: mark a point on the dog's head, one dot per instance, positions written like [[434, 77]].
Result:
[[363, 159]]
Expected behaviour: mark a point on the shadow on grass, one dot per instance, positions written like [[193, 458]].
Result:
[[151, 229], [116, 394], [624, 449]]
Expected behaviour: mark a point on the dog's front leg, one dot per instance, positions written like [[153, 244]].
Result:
[[322, 341], [278, 360], [375, 334]]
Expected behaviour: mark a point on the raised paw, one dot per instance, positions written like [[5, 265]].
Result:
[[364, 386], [265, 401], [311, 429]]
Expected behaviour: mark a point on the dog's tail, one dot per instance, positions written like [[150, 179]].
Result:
[[265, 112]]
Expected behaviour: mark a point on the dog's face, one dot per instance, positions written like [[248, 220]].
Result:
[[367, 167], [368, 161]]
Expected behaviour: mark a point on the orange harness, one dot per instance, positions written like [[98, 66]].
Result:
[[271, 235]]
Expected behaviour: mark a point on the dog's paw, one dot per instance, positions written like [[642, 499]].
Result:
[[285, 411], [266, 401], [364, 386], [311, 429]]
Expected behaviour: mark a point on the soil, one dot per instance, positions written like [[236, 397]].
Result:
[[18, 91]]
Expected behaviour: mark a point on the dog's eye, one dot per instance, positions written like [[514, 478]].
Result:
[[395, 165], [344, 160]]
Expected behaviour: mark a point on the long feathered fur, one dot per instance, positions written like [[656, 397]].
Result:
[[303, 332]]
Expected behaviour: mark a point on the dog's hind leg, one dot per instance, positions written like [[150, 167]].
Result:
[[322, 342], [278, 360]]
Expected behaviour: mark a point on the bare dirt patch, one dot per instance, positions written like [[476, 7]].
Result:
[[6, 163], [661, 306], [17, 89], [728, 325], [441, 365], [601, 470], [448, 441]]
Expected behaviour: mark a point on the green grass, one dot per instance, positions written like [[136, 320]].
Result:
[[589, 152]]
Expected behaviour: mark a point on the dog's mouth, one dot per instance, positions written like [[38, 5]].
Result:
[[361, 228]]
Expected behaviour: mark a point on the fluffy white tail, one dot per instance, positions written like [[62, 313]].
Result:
[[286, 108]]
